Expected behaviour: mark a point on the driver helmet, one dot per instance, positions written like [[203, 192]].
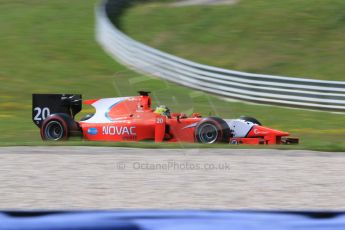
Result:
[[162, 110]]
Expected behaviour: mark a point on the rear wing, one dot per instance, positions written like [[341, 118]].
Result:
[[44, 105]]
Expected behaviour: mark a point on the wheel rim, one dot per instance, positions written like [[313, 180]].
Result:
[[54, 131], [208, 133]]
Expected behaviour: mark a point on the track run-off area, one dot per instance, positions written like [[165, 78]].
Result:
[[124, 178]]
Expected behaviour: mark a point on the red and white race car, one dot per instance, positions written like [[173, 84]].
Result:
[[132, 119]]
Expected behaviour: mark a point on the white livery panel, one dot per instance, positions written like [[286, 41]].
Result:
[[102, 107], [239, 127]]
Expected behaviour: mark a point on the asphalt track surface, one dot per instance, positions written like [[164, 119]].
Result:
[[123, 178]]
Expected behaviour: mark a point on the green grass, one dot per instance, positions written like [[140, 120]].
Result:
[[49, 47], [298, 38]]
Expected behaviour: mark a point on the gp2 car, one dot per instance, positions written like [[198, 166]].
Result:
[[133, 119]]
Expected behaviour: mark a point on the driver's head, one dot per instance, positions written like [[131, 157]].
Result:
[[162, 110]]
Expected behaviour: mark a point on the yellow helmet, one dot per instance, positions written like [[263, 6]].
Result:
[[162, 110]]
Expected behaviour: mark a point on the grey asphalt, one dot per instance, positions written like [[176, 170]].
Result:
[[113, 178]]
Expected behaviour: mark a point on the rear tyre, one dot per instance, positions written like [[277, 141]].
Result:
[[212, 130], [58, 127], [250, 119]]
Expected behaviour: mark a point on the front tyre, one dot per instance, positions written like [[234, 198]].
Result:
[[212, 130]]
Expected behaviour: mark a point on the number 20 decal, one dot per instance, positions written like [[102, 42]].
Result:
[[159, 120], [42, 113]]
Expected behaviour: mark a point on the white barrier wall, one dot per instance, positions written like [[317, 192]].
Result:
[[295, 92]]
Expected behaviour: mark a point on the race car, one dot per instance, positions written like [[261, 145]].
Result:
[[132, 119]]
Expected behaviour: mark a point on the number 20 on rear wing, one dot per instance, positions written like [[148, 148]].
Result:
[[45, 104]]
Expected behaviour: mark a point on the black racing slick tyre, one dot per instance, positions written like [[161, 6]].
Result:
[[250, 119], [212, 130], [58, 127]]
